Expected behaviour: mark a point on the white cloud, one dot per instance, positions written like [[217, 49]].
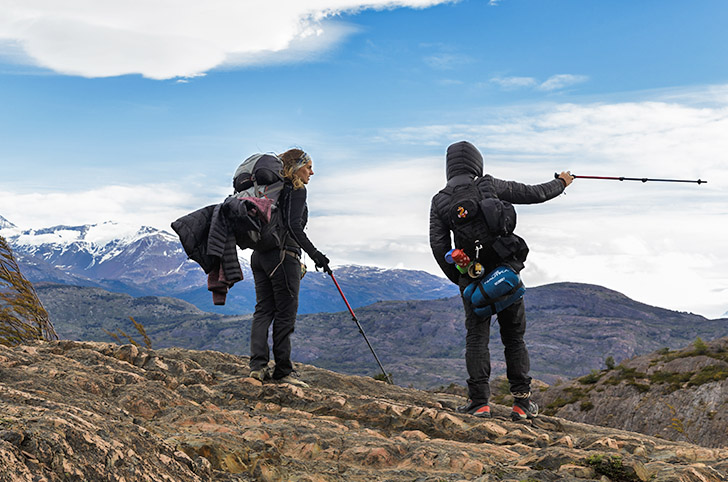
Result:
[[161, 39], [514, 82], [561, 81], [447, 60], [151, 205], [555, 82]]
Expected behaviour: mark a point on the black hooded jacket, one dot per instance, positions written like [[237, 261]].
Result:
[[464, 159]]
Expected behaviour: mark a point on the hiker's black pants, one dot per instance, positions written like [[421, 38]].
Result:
[[276, 298], [512, 322]]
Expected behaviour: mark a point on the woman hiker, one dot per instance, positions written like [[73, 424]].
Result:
[[277, 274]]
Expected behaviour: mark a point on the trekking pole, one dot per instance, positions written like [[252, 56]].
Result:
[[361, 330], [643, 179]]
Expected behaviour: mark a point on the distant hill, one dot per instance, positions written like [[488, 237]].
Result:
[[674, 394], [572, 329], [144, 261]]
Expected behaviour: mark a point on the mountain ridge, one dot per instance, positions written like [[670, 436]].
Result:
[[420, 342], [147, 261]]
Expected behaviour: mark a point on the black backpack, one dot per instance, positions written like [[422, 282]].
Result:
[[483, 224]]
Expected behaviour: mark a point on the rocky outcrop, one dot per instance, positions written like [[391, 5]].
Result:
[[677, 395], [99, 411]]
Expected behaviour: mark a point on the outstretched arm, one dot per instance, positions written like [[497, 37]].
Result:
[[518, 193]]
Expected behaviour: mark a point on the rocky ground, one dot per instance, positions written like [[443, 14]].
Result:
[[676, 395], [97, 411]]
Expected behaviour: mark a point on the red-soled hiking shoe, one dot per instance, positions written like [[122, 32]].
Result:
[[477, 409], [523, 409]]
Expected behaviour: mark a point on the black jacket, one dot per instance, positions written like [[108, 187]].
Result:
[[208, 239], [514, 192], [296, 218]]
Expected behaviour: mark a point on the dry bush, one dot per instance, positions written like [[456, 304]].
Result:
[[22, 315]]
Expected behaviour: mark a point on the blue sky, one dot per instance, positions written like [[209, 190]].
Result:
[[136, 113]]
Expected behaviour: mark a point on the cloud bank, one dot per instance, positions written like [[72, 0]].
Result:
[[160, 39]]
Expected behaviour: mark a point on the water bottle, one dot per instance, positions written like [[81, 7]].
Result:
[[459, 259]]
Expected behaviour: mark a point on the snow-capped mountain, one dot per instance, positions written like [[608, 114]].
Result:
[[109, 254], [149, 261], [5, 224]]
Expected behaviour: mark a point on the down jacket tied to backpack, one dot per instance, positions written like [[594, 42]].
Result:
[[208, 238]]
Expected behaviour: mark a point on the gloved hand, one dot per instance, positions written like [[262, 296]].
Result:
[[321, 261]]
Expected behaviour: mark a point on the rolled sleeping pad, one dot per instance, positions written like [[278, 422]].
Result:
[[495, 292]]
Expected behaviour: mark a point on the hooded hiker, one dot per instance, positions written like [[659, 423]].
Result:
[[476, 210], [278, 274]]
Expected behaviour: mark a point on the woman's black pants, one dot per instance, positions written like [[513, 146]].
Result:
[[276, 297]]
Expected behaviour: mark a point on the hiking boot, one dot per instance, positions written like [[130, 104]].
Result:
[[477, 409], [262, 374], [294, 379], [524, 408]]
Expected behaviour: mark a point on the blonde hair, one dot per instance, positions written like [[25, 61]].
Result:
[[291, 163]]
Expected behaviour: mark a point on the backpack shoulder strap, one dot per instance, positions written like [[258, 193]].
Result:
[[486, 187]]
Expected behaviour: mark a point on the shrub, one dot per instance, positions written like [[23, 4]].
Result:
[[611, 466], [383, 378], [712, 373], [641, 387], [22, 315], [575, 394], [590, 379], [700, 347], [630, 375]]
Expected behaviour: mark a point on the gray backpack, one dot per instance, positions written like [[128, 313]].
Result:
[[259, 185], [260, 175]]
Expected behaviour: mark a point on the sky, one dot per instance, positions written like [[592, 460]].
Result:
[[139, 112]]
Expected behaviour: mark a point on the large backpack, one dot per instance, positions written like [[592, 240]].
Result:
[[259, 191], [260, 175], [483, 224]]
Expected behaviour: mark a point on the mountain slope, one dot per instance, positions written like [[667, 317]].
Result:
[[143, 257], [98, 411], [677, 395]]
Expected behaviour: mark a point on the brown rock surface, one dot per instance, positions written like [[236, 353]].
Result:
[[99, 411], [677, 395]]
